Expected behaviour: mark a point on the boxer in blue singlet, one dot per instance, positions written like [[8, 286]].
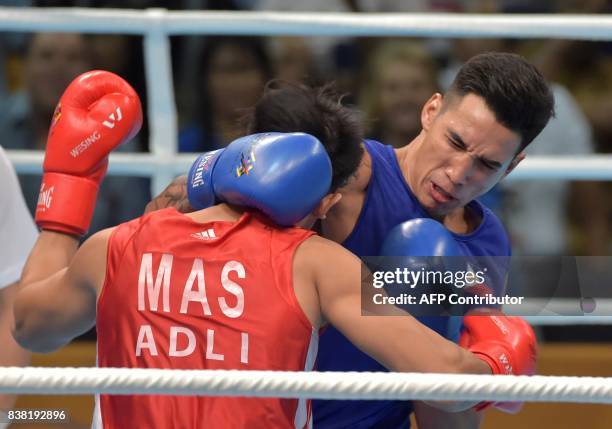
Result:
[[472, 137], [389, 202]]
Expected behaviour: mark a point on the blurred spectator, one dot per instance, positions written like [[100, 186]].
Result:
[[584, 68], [535, 211], [294, 60], [322, 47], [340, 58], [233, 72], [10, 44], [400, 78], [51, 62]]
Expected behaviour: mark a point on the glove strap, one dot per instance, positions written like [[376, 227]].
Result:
[[66, 203], [506, 407], [498, 367]]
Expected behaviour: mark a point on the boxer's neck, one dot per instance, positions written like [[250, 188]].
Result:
[[219, 212], [342, 217]]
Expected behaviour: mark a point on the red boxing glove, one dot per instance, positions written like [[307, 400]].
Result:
[[97, 112], [506, 343]]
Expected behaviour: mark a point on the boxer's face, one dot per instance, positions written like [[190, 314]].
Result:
[[464, 153]]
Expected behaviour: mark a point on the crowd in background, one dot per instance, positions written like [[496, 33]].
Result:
[[389, 80]]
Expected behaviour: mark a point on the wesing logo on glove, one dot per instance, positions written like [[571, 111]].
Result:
[[506, 363], [203, 166], [112, 118], [84, 145], [44, 198]]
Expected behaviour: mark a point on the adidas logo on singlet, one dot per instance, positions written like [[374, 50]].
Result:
[[209, 234]]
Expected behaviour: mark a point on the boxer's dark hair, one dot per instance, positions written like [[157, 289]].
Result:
[[513, 89], [287, 107]]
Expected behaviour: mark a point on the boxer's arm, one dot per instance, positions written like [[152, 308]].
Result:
[[56, 300], [396, 339], [429, 417], [57, 293]]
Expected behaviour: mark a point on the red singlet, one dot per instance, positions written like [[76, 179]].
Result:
[[185, 295]]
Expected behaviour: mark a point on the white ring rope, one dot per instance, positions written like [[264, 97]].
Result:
[[563, 26], [596, 167], [323, 385]]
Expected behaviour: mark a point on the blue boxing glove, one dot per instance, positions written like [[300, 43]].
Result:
[[420, 237], [426, 245], [422, 246], [284, 175]]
